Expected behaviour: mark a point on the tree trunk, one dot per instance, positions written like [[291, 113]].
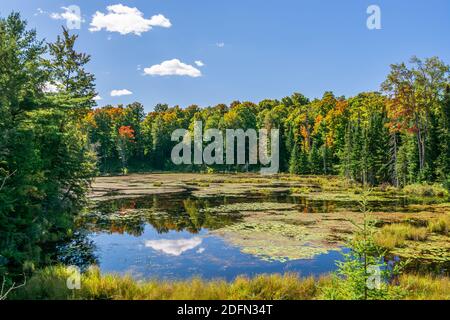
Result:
[[394, 159], [420, 144]]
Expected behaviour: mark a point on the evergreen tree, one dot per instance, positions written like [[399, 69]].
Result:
[[75, 86], [443, 144]]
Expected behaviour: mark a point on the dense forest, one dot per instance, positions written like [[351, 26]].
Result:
[[397, 136], [53, 140]]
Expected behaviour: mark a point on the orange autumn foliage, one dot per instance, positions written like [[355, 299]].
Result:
[[126, 132]]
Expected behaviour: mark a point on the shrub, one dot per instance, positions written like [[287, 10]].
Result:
[[426, 190]]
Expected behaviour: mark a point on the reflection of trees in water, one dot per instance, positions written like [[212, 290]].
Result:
[[181, 213], [314, 206], [38, 243], [422, 266], [133, 226], [78, 251], [54, 246], [163, 214]]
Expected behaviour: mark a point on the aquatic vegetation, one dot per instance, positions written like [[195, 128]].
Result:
[[50, 284], [395, 235], [440, 225], [429, 243], [273, 240], [124, 216], [289, 235], [254, 206], [435, 249], [136, 185], [301, 190], [340, 195], [425, 287]]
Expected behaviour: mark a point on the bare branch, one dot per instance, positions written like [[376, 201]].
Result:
[[4, 295], [9, 175]]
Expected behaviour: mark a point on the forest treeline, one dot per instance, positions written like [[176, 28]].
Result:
[[398, 136]]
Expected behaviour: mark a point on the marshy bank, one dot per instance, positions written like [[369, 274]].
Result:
[[50, 284]]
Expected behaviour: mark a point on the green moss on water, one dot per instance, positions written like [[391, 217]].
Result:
[[435, 249], [272, 240], [253, 206]]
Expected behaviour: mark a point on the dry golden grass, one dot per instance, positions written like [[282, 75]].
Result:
[[425, 287], [50, 284]]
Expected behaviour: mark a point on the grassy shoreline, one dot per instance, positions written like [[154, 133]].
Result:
[[51, 284]]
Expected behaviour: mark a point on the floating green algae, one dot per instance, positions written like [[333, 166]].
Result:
[[253, 206], [277, 240], [435, 249]]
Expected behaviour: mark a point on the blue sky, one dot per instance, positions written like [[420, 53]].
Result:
[[251, 49]]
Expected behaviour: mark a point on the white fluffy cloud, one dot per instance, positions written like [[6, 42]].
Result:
[[173, 68], [174, 247], [97, 98], [119, 93], [125, 20], [67, 15], [199, 63]]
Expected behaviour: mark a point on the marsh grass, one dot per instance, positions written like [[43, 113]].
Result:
[[50, 284], [394, 235], [440, 225], [301, 190], [425, 287]]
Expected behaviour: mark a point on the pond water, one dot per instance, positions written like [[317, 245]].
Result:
[[181, 255], [170, 237]]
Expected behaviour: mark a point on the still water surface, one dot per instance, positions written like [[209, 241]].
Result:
[[174, 240]]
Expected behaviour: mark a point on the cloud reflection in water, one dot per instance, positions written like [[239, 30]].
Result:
[[174, 247]]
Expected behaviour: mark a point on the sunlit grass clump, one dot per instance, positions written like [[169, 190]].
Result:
[[395, 235], [440, 225]]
